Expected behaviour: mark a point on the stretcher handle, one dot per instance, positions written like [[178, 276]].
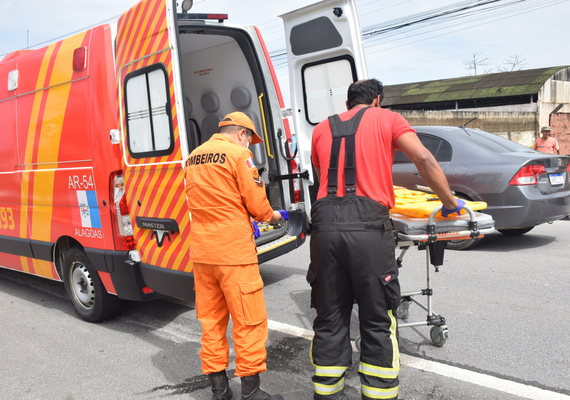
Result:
[[432, 236], [438, 208]]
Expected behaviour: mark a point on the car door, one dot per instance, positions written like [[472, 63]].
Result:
[[404, 171], [154, 140], [325, 55]]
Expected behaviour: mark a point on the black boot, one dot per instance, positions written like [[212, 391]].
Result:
[[220, 387], [250, 390]]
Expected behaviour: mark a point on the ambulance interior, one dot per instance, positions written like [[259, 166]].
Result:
[[221, 74]]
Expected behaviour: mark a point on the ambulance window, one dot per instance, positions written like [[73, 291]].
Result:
[[315, 35], [147, 106], [325, 84]]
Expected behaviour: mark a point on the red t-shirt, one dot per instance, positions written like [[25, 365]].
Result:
[[375, 143]]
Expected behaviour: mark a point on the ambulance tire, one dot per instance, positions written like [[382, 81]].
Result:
[[85, 289]]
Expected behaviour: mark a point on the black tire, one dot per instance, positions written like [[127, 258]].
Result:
[[85, 289], [515, 232], [462, 244]]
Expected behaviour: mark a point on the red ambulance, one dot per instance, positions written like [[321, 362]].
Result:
[[95, 129]]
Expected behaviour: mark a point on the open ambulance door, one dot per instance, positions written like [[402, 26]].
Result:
[[325, 54], [154, 146]]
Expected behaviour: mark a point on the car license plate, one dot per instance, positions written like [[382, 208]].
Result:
[[556, 179]]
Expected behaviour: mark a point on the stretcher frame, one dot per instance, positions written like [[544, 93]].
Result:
[[433, 243]]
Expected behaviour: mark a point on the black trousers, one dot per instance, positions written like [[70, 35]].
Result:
[[353, 258]]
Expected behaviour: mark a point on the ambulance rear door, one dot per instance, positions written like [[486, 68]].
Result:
[[154, 144], [325, 54]]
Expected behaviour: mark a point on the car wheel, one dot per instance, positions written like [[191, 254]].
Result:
[[462, 244], [85, 289], [515, 232]]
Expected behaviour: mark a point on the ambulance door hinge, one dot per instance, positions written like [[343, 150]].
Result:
[[302, 175], [286, 112], [115, 136]]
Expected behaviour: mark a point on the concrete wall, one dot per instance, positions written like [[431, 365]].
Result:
[[552, 94], [560, 125], [520, 127]]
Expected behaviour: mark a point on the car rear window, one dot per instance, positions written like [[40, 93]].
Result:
[[495, 143]]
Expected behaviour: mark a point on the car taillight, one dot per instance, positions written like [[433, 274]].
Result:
[[122, 226], [528, 175]]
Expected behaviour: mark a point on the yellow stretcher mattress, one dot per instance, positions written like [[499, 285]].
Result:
[[418, 204]]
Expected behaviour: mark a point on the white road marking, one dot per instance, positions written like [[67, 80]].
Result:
[[476, 378]]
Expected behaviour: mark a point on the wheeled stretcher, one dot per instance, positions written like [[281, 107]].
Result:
[[430, 234]]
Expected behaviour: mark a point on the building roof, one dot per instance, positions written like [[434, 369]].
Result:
[[504, 84]]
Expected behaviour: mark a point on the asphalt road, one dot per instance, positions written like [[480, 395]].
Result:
[[506, 304]]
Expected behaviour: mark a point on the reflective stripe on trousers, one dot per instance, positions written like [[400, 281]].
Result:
[[375, 393]]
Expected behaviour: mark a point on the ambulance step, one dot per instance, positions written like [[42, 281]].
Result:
[[276, 243], [270, 235]]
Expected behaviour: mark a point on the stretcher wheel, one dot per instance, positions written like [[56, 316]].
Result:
[[438, 335], [357, 343], [403, 310]]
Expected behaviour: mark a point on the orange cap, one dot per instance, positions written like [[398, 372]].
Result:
[[240, 119]]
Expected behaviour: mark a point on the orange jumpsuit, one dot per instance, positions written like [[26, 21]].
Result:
[[224, 189]]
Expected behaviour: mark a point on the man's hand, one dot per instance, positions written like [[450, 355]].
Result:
[[445, 212], [284, 214], [256, 232], [275, 218]]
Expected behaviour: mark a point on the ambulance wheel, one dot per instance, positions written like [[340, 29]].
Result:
[[85, 289], [403, 310], [438, 335]]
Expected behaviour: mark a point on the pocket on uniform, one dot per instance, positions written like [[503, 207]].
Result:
[[391, 290], [252, 301]]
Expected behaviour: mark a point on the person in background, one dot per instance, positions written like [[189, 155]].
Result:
[[546, 143], [225, 192], [352, 243]]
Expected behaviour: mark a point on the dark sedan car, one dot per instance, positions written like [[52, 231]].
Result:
[[522, 187]]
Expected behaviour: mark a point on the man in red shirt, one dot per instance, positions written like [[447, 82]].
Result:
[[352, 244], [546, 143]]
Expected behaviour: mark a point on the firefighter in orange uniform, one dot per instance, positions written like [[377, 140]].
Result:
[[225, 192]]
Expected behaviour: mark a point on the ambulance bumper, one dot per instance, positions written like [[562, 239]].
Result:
[[125, 273], [181, 284]]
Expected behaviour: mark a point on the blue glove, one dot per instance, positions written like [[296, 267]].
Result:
[[445, 212], [256, 232], [284, 214]]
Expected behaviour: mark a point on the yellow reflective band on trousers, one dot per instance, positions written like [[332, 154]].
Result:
[[380, 372], [327, 390], [329, 371], [394, 339], [375, 393]]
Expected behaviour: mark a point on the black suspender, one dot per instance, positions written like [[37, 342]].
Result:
[[344, 129]]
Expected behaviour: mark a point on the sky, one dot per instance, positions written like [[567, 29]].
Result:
[[534, 30]]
